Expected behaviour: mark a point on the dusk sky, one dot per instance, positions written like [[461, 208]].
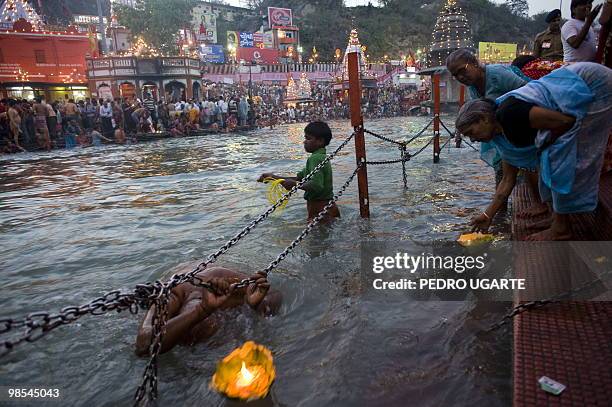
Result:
[[535, 6]]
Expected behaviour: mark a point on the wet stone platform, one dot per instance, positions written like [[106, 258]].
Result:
[[568, 341]]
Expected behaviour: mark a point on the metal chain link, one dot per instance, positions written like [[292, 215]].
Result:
[[381, 137], [424, 147], [315, 221], [401, 160], [450, 133], [445, 143], [405, 156], [526, 306], [148, 385], [420, 133], [470, 145], [40, 323], [400, 143]]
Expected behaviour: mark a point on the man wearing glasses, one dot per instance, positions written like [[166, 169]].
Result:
[[484, 81]]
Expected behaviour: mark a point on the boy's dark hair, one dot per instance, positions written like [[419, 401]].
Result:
[[523, 60], [319, 130]]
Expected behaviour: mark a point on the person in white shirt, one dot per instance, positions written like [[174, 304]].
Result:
[[577, 34], [222, 110], [106, 117]]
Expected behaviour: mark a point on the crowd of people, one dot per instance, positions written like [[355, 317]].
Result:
[[554, 126], [37, 124]]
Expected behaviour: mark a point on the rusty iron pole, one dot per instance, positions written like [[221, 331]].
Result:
[[357, 123], [461, 103], [436, 123]]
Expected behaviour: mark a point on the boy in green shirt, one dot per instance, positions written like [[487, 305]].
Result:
[[319, 189]]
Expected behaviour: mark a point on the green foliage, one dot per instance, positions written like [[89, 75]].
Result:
[[519, 7], [157, 21]]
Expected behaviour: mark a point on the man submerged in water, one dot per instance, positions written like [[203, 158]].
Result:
[[192, 310]]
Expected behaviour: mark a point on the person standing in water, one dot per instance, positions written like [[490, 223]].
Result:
[[319, 189]]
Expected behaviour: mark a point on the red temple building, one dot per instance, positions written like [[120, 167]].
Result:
[[35, 61]]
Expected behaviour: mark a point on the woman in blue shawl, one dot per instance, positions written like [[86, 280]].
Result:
[[566, 115]]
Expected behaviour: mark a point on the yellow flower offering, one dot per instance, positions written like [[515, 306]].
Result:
[[275, 192], [472, 239], [247, 373]]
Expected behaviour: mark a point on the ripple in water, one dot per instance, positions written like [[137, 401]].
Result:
[[75, 224]]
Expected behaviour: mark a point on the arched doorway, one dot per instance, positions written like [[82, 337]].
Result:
[[175, 91], [197, 91], [128, 91], [150, 88]]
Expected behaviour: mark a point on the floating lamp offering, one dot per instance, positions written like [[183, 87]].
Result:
[[247, 373], [472, 239], [275, 191]]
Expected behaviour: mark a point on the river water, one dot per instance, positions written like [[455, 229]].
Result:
[[77, 223]]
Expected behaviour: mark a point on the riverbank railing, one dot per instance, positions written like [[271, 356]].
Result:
[[19, 330], [36, 325]]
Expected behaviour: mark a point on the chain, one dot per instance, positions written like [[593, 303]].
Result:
[[526, 306], [404, 154], [420, 133], [144, 296], [445, 143], [191, 276], [381, 137], [470, 145], [400, 143], [450, 133], [401, 160], [38, 324], [312, 223], [315, 221], [423, 148], [149, 377]]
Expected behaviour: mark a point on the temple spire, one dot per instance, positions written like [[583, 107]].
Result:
[[13, 10]]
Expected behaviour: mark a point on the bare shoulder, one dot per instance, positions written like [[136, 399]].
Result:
[[220, 272], [208, 273]]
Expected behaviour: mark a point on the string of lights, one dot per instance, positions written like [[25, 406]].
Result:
[[292, 91], [13, 10], [22, 75], [451, 31]]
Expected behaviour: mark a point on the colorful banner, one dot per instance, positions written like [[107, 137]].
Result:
[[212, 53], [206, 26], [268, 40], [258, 40], [279, 17], [490, 52], [257, 55], [246, 40]]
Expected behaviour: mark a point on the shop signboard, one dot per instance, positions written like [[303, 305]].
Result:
[[212, 53], [246, 40], [257, 55], [490, 52], [279, 17]]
